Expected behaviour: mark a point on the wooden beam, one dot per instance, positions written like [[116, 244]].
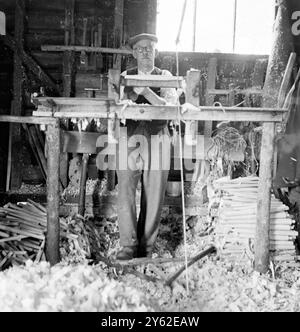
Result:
[[68, 77], [30, 63], [113, 125], [38, 148], [284, 89], [43, 169], [82, 192], [191, 127], [153, 81], [148, 112], [85, 143], [49, 102], [222, 92], [88, 49], [262, 242], [53, 226], [2, 23], [286, 82], [151, 16], [27, 119], [259, 73], [195, 24], [283, 43], [211, 84], [69, 22], [68, 74], [17, 105], [118, 31]]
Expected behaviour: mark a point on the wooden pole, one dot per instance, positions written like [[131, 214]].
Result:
[[68, 78], [277, 63], [113, 124], [146, 113], [87, 49], [15, 130], [195, 24], [211, 84], [264, 199], [151, 16], [234, 25], [30, 63], [36, 149], [82, 193], [191, 127], [119, 31], [181, 22], [53, 227]]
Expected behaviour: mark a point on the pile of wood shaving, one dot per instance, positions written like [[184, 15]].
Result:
[[30, 189], [37, 287], [92, 186], [216, 283]]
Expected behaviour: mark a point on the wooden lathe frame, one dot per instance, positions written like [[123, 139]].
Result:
[[52, 110]]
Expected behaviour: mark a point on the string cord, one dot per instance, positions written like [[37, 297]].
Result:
[[179, 117]]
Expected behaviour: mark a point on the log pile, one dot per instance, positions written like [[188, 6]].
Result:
[[22, 235], [236, 221]]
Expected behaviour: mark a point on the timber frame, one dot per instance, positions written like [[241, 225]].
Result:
[[51, 111]]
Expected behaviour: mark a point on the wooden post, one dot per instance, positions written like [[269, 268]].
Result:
[[53, 227], [234, 24], [195, 24], [192, 97], [114, 77], [30, 63], [264, 199], [68, 78], [277, 63], [193, 85], [84, 167], [119, 31], [211, 84], [151, 16], [15, 129]]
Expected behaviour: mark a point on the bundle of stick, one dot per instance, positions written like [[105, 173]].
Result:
[[236, 222], [22, 234]]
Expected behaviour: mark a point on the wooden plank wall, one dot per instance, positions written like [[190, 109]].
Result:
[[232, 69]]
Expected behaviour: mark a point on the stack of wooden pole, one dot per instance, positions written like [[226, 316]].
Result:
[[237, 218], [22, 233]]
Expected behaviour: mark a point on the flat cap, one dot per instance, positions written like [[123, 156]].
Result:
[[135, 39]]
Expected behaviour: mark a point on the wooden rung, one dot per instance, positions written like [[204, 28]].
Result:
[[152, 81], [223, 92]]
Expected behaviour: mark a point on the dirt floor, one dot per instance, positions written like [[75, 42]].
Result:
[[215, 283]]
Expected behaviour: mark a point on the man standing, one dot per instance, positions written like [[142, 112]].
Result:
[[138, 237]]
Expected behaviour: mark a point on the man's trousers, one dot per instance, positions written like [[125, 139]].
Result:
[[142, 231]]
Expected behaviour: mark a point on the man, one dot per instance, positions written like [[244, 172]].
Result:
[[137, 238]]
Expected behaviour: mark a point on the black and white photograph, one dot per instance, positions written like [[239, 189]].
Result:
[[149, 159]]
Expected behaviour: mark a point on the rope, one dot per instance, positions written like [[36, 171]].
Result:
[[218, 104], [125, 104], [179, 116]]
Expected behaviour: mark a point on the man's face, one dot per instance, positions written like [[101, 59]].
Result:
[[144, 52]]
